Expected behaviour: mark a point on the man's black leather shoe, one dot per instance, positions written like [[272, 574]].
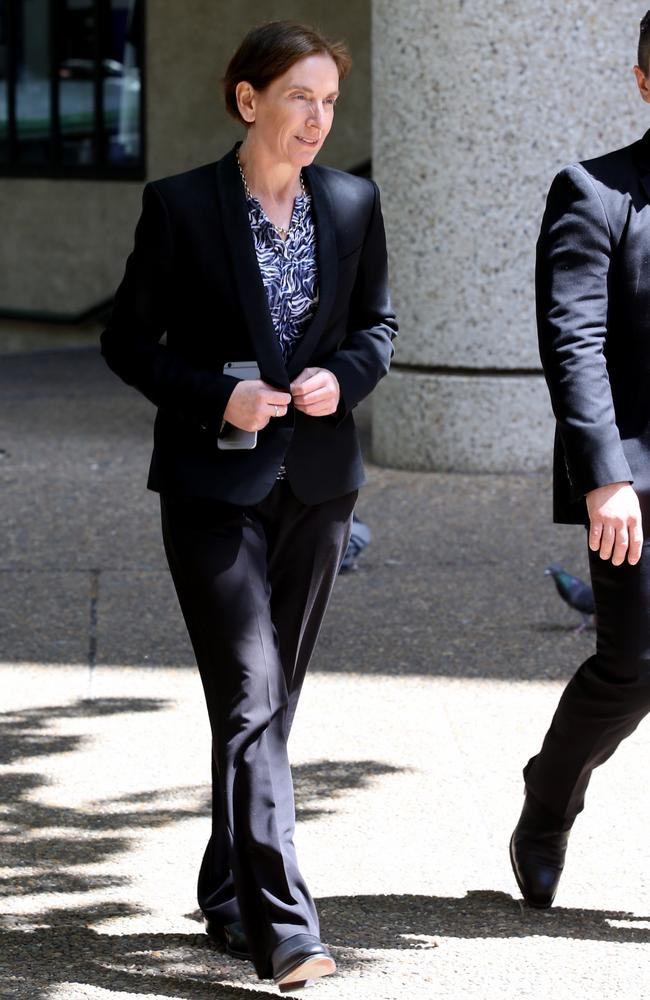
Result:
[[299, 959], [537, 849], [230, 936]]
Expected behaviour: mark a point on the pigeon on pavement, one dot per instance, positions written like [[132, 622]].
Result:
[[359, 538], [575, 592]]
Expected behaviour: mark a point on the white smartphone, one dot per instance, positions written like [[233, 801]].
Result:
[[233, 438]]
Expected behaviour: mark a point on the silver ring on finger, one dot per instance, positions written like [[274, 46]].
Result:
[[277, 411]]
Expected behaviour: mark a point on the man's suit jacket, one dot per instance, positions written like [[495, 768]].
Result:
[[193, 275], [593, 311]]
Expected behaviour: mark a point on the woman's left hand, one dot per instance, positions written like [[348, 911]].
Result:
[[316, 392]]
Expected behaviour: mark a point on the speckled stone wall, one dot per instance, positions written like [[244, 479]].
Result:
[[476, 106]]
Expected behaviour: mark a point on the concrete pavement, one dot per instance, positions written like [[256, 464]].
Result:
[[435, 676]]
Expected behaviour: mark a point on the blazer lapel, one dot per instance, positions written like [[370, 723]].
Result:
[[248, 280], [327, 260]]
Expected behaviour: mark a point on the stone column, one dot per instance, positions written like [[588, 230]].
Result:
[[476, 106]]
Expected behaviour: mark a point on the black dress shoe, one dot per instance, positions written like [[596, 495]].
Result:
[[299, 959], [537, 849], [229, 935]]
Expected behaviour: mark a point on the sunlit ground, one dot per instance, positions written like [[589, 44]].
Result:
[[407, 789]]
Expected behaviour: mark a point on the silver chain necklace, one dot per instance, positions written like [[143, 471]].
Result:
[[284, 233]]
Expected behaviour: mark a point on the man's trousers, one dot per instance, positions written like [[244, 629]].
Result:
[[607, 697], [253, 584]]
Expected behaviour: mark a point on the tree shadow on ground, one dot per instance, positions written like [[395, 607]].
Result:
[[44, 846], [40, 953], [187, 967], [49, 851], [25, 733], [318, 785]]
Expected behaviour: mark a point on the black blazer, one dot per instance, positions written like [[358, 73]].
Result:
[[593, 312], [193, 275]]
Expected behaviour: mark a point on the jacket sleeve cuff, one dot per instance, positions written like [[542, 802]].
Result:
[[591, 464]]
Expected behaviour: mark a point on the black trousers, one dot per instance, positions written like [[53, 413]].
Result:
[[607, 697], [253, 584]]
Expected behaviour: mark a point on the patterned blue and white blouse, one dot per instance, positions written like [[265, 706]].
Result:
[[289, 270]]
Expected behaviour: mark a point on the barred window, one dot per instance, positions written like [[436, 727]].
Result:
[[71, 88]]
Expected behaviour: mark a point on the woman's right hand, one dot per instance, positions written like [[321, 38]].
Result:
[[253, 403]]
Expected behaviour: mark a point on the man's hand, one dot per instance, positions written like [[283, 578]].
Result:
[[615, 523], [253, 403], [316, 392]]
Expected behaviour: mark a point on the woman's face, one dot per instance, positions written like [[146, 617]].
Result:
[[293, 115]]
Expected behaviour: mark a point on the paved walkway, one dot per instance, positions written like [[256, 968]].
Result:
[[435, 676]]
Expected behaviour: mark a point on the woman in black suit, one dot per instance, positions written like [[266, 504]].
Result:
[[265, 267]]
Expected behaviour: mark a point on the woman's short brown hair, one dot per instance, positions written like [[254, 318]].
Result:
[[270, 50]]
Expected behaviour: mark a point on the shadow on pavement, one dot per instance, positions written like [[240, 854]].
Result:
[[44, 848], [388, 922], [186, 966], [452, 583], [36, 961], [327, 781], [24, 733], [42, 845]]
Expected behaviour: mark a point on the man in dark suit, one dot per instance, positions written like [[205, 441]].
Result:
[[593, 305]]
